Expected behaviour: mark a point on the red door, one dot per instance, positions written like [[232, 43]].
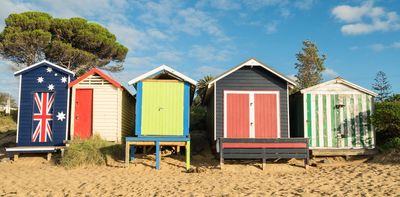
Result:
[[83, 113], [265, 116], [237, 115]]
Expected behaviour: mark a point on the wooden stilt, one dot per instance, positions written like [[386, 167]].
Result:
[[178, 149], [158, 155], [263, 163], [132, 152], [144, 149], [187, 155], [62, 152], [15, 156], [127, 148], [48, 156]]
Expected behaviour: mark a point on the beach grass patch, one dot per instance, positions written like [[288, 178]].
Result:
[[7, 124], [88, 152]]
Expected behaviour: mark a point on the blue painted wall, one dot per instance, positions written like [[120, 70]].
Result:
[[30, 85]]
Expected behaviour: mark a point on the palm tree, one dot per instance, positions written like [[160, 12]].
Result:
[[202, 87]]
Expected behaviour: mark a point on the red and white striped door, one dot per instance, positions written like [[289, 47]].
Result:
[[251, 114]]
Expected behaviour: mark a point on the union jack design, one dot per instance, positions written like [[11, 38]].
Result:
[[42, 115]]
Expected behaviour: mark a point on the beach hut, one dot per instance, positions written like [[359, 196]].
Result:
[[43, 108], [248, 114], [163, 98], [334, 115], [100, 105]]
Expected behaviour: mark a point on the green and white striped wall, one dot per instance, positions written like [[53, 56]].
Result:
[[336, 120]]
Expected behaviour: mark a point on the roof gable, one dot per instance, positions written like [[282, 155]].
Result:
[[341, 81], [92, 72], [44, 62], [252, 62], [160, 69]]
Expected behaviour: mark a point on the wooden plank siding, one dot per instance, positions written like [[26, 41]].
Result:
[[30, 85], [128, 115], [113, 109], [251, 79], [336, 117]]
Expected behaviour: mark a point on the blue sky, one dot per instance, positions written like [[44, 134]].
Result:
[[209, 36]]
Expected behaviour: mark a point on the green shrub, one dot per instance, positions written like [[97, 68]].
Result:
[[392, 144], [85, 152], [7, 124], [386, 120]]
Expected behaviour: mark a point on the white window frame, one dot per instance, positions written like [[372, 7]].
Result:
[[252, 111]]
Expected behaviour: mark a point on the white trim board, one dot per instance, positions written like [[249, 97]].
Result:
[[251, 62], [252, 111], [160, 69], [340, 81], [19, 106], [47, 62]]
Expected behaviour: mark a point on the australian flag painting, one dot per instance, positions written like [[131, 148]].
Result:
[[43, 117], [44, 105]]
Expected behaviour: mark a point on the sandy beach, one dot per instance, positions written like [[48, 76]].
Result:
[[34, 176]]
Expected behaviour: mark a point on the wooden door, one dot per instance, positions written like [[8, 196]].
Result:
[[83, 113], [237, 116], [265, 115]]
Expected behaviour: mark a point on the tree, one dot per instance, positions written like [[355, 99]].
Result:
[[73, 43], [4, 99], [382, 86], [202, 88], [310, 65]]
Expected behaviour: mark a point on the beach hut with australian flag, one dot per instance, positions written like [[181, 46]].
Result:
[[43, 108]]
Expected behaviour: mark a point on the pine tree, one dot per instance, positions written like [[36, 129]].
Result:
[[382, 86], [74, 43], [310, 65]]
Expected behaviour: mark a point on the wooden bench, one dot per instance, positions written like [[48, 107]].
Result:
[[263, 148], [157, 141], [15, 151]]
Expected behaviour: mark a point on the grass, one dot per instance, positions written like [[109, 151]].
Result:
[[90, 152], [7, 124], [392, 144]]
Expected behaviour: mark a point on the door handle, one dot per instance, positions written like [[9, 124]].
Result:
[[76, 117]]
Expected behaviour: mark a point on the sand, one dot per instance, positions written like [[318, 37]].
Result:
[[34, 176]]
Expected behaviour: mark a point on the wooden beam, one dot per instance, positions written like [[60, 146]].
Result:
[[187, 155], [48, 156], [127, 154], [15, 156]]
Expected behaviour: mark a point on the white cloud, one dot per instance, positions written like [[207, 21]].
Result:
[[378, 47], [353, 48], [207, 70], [272, 27], [220, 4], [328, 72], [304, 4], [365, 19], [209, 53], [395, 45], [285, 12]]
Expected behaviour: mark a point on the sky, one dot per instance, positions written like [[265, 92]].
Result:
[[207, 37]]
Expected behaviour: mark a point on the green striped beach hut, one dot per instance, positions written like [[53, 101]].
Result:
[[333, 115]]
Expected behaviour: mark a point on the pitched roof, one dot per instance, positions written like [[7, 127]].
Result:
[[341, 81], [39, 64], [160, 69], [251, 62], [92, 72]]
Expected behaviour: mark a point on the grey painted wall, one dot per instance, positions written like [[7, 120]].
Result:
[[250, 79]]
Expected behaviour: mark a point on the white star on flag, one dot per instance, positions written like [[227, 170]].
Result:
[[40, 79], [64, 79], [60, 116], [49, 69], [51, 87], [55, 74]]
